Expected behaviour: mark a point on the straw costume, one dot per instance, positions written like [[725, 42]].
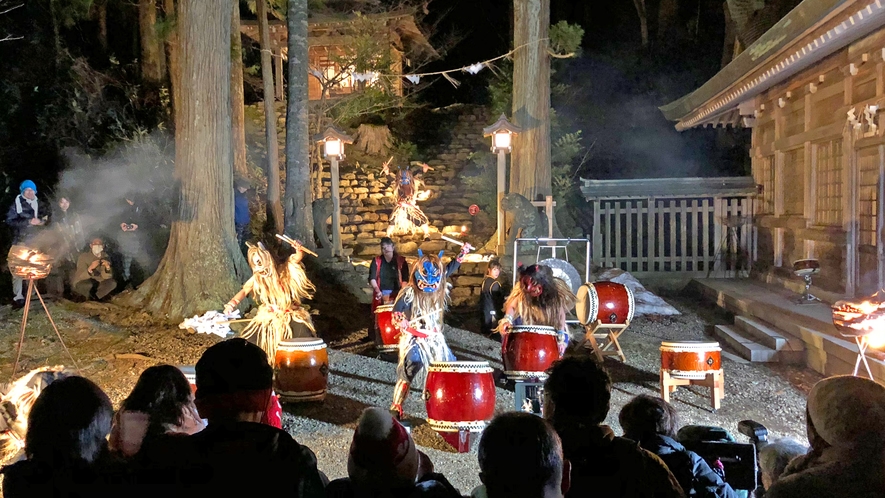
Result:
[[278, 290], [418, 314], [406, 216]]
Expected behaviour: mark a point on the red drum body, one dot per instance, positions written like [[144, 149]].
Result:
[[301, 370], [604, 302], [528, 351], [460, 397], [388, 333], [690, 359], [190, 373]]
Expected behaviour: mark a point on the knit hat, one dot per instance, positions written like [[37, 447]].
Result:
[[27, 184], [382, 454], [848, 411], [232, 376]]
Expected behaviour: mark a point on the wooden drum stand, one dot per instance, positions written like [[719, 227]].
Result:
[[692, 363]]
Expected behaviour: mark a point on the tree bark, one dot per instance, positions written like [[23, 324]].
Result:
[[150, 42], [102, 14], [530, 168], [172, 50], [668, 13], [202, 267], [275, 220], [643, 21], [299, 215], [237, 101]]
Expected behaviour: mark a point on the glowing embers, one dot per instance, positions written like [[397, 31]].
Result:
[[865, 322], [29, 263]]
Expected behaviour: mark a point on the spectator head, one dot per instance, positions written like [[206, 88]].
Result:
[[520, 456], [382, 454], [387, 247], [69, 423], [234, 382], [494, 268], [28, 189], [577, 391], [162, 392], [97, 246], [847, 412], [645, 416], [774, 457], [64, 203], [241, 184]]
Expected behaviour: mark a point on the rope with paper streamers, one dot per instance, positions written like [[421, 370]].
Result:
[[415, 78]]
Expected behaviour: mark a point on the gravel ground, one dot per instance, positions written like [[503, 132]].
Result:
[[99, 333]]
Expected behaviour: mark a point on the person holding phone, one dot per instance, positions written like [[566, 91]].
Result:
[[93, 278]]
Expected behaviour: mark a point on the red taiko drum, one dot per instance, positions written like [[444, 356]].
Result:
[[690, 359], [605, 302], [301, 370], [460, 396], [388, 333], [190, 373], [528, 351]]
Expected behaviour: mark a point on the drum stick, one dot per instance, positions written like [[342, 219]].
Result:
[[295, 244], [453, 241]]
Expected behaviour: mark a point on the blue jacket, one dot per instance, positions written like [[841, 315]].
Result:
[[692, 472], [241, 209], [19, 218]]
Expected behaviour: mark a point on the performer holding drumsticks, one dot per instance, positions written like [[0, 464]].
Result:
[[538, 298], [418, 314], [278, 289]]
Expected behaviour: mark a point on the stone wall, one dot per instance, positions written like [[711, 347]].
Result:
[[367, 199]]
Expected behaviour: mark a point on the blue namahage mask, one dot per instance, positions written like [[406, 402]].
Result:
[[404, 178], [427, 275]]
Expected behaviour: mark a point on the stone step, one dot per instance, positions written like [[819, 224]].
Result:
[[789, 349], [745, 347]]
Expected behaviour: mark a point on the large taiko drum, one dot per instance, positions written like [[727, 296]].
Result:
[[690, 359], [528, 351], [190, 373], [388, 333], [460, 397], [301, 370], [606, 302]]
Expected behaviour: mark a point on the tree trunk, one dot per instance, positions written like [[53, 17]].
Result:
[[238, 112], [299, 215], [150, 42], [202, 266], [668, 14], [274, 208], [643, 21], [172, 52], [375, 140], [530, 169], [102, 15]]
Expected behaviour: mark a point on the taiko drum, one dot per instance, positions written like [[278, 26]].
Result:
[[190, 373], [528, 351], [690, 359], [605, 302], [301, 370], [388, 333], [460, 396]]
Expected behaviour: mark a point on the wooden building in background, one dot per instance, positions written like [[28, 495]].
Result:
[[328, 33], [812, 88]]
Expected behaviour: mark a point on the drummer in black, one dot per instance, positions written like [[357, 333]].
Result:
[[491, 299], [387, 273]]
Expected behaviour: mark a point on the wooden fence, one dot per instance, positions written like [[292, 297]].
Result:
[[697, 236]]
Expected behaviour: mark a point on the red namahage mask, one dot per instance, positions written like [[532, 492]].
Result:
[[531, 287]]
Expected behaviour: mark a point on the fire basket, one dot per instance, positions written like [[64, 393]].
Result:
[[31, 264], [865, 323]]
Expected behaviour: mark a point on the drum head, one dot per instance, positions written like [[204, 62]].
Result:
[[302, 343], [587, 305], [691, 345], [460, 366], [564, 271]]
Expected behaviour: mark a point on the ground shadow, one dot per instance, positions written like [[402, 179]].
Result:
[[337, 410]]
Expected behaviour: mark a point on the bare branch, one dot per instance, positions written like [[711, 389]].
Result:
[[10, 38], [11, 9]]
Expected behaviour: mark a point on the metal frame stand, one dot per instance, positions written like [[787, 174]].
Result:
[[32, 289], [862, 345], [807, 297]]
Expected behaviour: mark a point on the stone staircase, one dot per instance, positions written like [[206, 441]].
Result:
[[760, 342]]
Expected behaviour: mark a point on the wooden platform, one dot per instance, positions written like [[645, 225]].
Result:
[[825, 351]]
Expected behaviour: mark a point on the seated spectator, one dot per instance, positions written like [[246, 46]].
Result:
[[160, 403], [577, 398], [233, 390], [774, 457], [384, 462], [520, 456], [845, 416], [65, 445], [68, 241], [652, 423], [93, 278]]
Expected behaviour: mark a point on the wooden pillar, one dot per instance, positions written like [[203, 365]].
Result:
[[849, 193], [337, 250], [502, 168], [278, 73], [597, 233]]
